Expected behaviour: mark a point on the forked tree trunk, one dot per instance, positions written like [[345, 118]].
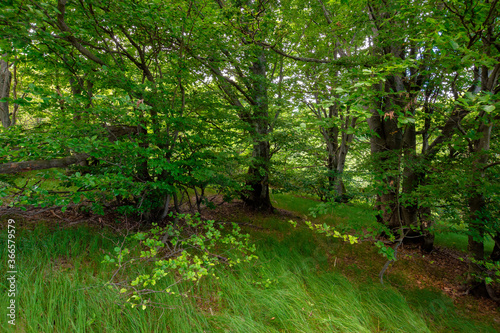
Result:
[[337, 146], [337, 154]]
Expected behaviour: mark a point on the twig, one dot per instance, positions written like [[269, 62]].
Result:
[[245, 224], [381, 274]]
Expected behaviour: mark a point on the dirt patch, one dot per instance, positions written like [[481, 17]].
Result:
[[54, 218], [445, 269]]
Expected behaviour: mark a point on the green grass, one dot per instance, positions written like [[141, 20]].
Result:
[[362, 215], [293, 287], [459, 241], [346, 216]]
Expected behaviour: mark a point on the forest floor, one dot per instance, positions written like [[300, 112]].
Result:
[[442, 270]]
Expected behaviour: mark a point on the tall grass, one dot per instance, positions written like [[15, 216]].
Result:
[[291, 288]]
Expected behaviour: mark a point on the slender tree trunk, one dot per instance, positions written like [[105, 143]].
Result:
[[337, 153], [5, 81], [495, 254], [330, 135], [426, 223], [340, 190], [477, 201], [413, 176], [342, 152], [76, 89]]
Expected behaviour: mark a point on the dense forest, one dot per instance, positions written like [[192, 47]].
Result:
[[152, 111]]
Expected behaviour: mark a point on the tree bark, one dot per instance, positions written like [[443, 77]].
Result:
[[426, 223], [495, 254], [337, 146], [477, 201], [330, 136], [258, 172], [409, 207], [386, 144], [15, 167], [5, 81]]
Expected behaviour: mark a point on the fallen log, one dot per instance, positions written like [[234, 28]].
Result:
[[113, 133], [15, 167]]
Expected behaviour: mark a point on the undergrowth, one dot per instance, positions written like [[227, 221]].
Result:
[[302, 282]]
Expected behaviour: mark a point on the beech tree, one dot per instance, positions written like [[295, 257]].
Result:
[[144, 100], [126, 48], [5, 81]]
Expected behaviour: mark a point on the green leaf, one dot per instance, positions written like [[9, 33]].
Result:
[[489, 108]]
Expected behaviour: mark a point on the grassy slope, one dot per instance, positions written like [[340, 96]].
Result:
[[302, 283]]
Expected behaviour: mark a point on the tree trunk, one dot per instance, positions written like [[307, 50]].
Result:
[[330, 135], [425, 224], [5, 80], [258, 172], [409, 207], [340, 190], [259, 198], [477, 201], [419, 218], [495, 254], [337, 153], [81, 86], [331, 139], [341, 156], [385, 149]]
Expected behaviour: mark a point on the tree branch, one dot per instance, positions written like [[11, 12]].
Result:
[[61, 6], [490, 165], [15, 167]]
